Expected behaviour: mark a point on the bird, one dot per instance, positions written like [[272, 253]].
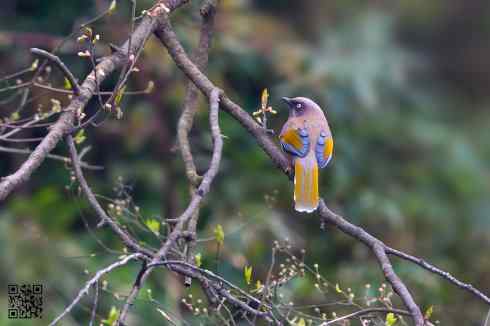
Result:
[[307, 139]]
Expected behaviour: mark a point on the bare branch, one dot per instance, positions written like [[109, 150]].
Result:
[[87, 89], [433, 269], [92, 282], [195, 201], [169, 39], [50, 156], [365, 312], [125, 237], [57, 62]]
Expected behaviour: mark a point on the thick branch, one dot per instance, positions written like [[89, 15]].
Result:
[[193, 205], [168, 37], [87, 90]]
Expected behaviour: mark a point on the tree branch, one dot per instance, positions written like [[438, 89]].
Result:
[[125, 237], [168, 37], [193, 205], [64, 69], [50, 156], [92, 282], [365, 312], [87, 89]]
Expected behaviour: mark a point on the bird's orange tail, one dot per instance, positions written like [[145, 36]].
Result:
[[306, 184]]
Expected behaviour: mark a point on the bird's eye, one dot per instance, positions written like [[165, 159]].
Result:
[[299, 106]]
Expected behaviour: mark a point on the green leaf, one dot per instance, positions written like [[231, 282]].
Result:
[[153, 225], [80, 137], [264, 98], [390, 319], [198, 259], [337, 288], [112, 7], [219, 234], [247, 273], [112, 318], [119, 95], [67, 84], [34, 65], [301, 322], [428, 312]]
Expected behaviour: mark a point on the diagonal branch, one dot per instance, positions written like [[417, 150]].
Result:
[[92, 282], [168, 37], [125, 237], [202, 190], [87, 89], [186, 120], [57, 61]]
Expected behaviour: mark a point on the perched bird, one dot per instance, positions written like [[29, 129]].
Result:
[[307, 138]]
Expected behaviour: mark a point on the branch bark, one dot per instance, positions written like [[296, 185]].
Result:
[[169, 39], [87, 89], [202, 190]]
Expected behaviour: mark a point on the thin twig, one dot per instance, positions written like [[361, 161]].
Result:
[[50, 156], [168, 37], [125, 237], [64, 124], [196, 198], [94, 307], [365, 312], [64, 69], [91, 283]]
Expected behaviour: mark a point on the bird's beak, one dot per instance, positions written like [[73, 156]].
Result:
[[287, 100]]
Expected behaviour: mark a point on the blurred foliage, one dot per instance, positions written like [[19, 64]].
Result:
[[404, 85]]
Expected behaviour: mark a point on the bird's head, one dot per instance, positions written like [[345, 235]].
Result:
[[299, 106]]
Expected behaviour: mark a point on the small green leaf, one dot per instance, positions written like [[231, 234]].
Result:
[[153, 225], [198, 259], [112, 7], [428, 312], [112, 318], [219, 234], [247, 273], [119, 95], [80, 137], [15, 116], [34, 65], [337, 288], [390, 319], [264, 98], [301, 322], [67, 84]]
